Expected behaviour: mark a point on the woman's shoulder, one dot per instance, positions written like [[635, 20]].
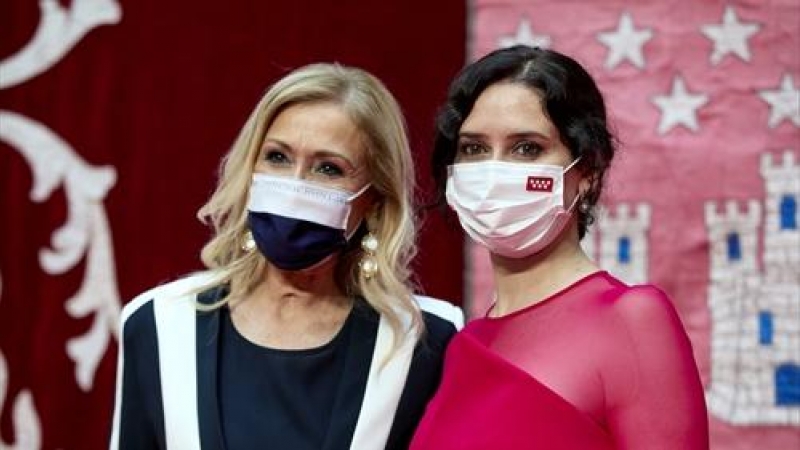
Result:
[[642, 299], [648, 309], [442, 320], [179, 294], [440, 312]]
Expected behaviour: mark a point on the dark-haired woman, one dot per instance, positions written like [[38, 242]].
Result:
[[568, 357]]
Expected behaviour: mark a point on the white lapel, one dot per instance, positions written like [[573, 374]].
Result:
[[178, 370], [384, 387]]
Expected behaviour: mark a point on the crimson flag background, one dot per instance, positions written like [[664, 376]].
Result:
[[113, 117], [114, 114], [702, 198]]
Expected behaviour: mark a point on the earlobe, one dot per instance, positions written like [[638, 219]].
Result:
[[369, 217], [372, 214], [373, 200], [588, 184], [584, 186]]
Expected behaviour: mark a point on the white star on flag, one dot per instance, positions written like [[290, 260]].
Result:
[[784, 102], [679, 108], [730, 37], [526, 36], [625, 43]]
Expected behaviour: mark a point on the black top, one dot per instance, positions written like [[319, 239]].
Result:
[[281, 397], [320, 392]]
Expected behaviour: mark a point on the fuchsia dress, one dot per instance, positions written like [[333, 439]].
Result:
[[599, 365]]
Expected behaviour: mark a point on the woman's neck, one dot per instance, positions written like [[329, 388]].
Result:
[[306, 285], [292, 309], [520, 283]]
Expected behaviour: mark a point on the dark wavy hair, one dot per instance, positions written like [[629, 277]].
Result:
[[570, 99]]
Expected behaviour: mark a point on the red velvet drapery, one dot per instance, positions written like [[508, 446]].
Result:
[[113, 117]]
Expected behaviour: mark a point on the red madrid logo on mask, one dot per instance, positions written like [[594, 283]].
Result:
[[539, 184]]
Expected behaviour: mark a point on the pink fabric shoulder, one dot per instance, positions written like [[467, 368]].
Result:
[[598, 365], [657, 400], [486, 403]]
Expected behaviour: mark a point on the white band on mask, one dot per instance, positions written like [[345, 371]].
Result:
[[299, 199]]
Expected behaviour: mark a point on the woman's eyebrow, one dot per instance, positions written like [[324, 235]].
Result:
[[333, 154]]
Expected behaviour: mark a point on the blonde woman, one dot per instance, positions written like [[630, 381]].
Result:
[[303, 333]]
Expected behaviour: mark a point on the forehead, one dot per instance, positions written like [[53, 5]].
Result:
[[508, 107], [314, 126]]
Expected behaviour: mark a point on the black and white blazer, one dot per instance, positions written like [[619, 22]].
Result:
[[166, 394]]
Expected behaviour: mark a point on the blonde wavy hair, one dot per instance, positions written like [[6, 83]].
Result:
[[376, 113]]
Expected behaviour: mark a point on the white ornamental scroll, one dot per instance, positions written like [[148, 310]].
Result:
[[58, 31], [26, 423], [86, 233]]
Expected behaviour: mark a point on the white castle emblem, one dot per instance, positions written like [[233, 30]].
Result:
[[618, 242], [753, 293], [755, 303]]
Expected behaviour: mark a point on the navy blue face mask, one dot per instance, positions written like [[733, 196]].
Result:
[[296, 224], [293, 244]]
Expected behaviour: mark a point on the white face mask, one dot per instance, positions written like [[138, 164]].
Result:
[[513, 209]]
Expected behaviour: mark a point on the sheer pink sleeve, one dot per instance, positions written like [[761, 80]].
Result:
[[599, 365], [654, 397]]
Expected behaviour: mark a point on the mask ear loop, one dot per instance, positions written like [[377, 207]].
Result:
[[574, 202], [580, 194], [358, 193], [572, 164], [349, 235], [350, 201]]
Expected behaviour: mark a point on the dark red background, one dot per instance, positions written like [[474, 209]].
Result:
[[160, 97]]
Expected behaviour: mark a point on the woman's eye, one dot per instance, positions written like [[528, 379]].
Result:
[[275, 157], [330, 169], [527, 149], [470, 149]]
